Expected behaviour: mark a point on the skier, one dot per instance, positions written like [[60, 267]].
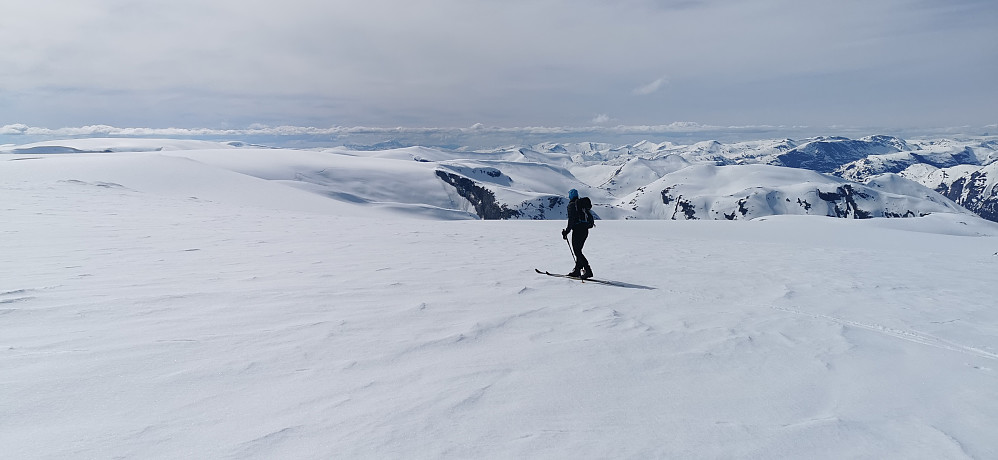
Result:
[[579, 223]]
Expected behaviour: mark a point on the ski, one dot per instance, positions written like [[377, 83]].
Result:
[[594, 280]]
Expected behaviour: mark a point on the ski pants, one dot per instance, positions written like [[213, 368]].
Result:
[[579, 236]]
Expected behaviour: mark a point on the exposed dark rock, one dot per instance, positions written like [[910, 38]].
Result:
[[483, 200], [688, 209], [666, 197], [847, 195], [741, 210], [542, 208], [971, 192], [908, 213]]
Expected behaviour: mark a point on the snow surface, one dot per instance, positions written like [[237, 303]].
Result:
[[156, 305]]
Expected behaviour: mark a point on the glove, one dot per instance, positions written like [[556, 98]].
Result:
[[564, 234]]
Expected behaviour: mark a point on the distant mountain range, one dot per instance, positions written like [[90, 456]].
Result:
[[876, 176]]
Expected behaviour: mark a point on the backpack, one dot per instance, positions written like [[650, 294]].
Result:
[[585, 206]]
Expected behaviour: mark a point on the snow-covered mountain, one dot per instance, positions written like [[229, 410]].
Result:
[[827, 154], [939, 157], [752, 191], [961, 171], [829, 176], [973, 187]]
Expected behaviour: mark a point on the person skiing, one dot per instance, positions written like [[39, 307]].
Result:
[[579, 223]]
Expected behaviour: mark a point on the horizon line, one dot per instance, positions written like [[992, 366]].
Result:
[[679, 127]]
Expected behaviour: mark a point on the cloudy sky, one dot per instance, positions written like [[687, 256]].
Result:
[[502, 63]]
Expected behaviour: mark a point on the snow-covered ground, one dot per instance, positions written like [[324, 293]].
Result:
[[154, 306]]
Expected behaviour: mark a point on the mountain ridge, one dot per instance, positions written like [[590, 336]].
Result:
[[873, 176]]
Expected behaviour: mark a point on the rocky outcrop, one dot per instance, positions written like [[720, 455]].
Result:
[[977, 191], [482, 199]]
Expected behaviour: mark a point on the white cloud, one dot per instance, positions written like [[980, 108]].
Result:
[[650, 88], [601, 118], [263, 130], [15, 129]]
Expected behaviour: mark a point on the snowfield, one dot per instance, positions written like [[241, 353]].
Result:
[[168, 304]]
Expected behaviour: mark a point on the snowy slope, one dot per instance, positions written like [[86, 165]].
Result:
[[827, 154], [973, 187], [753, 191], [861, 170], [638, 172], [154, 306]]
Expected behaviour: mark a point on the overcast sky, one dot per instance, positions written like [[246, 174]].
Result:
[[508, 63]]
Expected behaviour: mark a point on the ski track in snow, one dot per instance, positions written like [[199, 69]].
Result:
[[911, 336]]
